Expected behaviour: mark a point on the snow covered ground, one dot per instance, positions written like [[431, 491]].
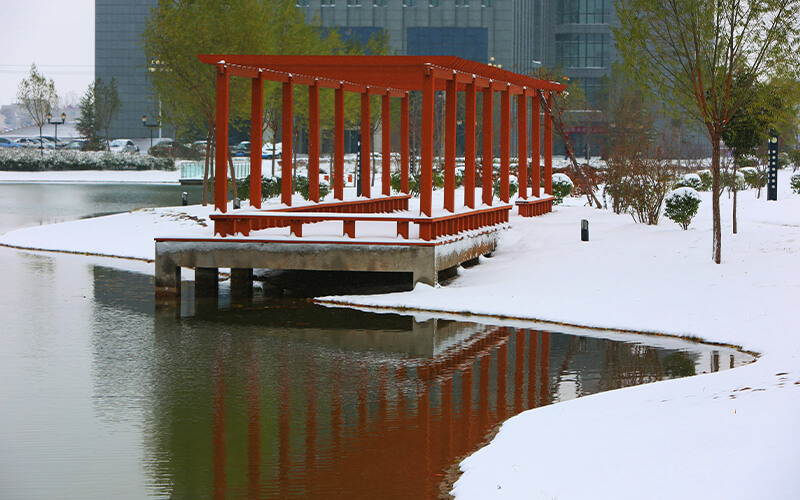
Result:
[[733, 434]]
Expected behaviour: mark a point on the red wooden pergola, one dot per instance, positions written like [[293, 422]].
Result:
[[390, 77]]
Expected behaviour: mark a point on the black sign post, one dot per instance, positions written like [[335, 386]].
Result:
[[772, 176]]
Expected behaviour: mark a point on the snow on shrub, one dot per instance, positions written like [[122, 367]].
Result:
[[682, 205], [753, 177], [562, 187], [795, 183], [690, 180], [705, 179], [33, 160]]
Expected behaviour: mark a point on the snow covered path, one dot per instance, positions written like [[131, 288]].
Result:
[[731, 434]]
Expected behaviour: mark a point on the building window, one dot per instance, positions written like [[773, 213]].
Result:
[[302, 3], [435, 3], [462, 3], [583, 12], [582, 50], [487, 3], [328, 3], [354, 3], [409, 3], [379, 3]]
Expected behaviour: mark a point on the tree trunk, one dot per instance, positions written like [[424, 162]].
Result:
[[234, 190], [715, 192], [735, 190]]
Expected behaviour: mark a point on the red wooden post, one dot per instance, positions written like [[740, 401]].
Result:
[[287, 117], [522, 139], [366, 150], [256, 119], [548, 148], [505, 143], [386, 145], [536, 169], [488, 154], [313, 141], [450, 146], [404, 144], [469, 144], [338, 145], [426, 160], [221, 131]]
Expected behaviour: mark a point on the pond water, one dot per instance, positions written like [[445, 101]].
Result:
[[105, 396]]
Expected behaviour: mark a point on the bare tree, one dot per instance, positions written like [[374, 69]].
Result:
[[37, 96]]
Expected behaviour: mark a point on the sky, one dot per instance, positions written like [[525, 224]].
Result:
[[57, 35]]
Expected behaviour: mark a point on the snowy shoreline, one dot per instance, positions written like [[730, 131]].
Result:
[[731, 434]]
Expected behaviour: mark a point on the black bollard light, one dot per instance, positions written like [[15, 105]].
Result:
[[584, 230], [237, 203], [185, 198], [772, 175]]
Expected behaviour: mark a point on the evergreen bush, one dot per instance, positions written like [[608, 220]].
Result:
[[33, 161], [513, 187], [682, 205], [705, 179], [301, 185], [754, 178], [795, 183], [562, 187], [690, 180]]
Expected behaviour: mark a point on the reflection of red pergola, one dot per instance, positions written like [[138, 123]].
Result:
[[390, 76]]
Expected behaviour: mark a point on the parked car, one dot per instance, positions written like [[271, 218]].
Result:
[[34, 142], [76, 144], [123, 146], [241, 149], [266, 150], [5, 142]]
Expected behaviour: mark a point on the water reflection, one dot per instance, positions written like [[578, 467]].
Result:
[[273, 398]]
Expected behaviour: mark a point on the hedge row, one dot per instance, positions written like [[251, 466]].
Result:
[[32, 160]]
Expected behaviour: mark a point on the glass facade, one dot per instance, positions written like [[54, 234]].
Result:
[[467, 43], [583, 12], [583, 50]]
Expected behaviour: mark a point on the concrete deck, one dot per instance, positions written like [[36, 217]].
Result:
[[423, 259]]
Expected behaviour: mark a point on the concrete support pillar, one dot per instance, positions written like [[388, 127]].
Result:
[[386, 145], [450, 145], [338, 145], [536, 169], [313, 142], [522, 143], [167, 281], [426, 160], [206, 281], [256, 119], [221, 133], [505, 143], [548, 148], [287, 119], [241, 283], [469, 147], [366, 148], [404, 144], [488, 154]]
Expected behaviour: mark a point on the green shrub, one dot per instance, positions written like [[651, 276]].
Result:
[[562, 187], [754, 178], [301, 185], [726, 180], [32, 161], [795, 183], [513, 187], [705, 179], [270, 188], [690, 180], [682, 206]]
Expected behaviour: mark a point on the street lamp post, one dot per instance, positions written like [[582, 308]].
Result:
[[151, 126], [56, 124]]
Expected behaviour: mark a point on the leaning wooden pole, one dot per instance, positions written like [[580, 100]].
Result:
[[577, 171]]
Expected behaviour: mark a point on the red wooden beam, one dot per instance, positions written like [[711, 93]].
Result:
[[505, 144], [404, 144], [287, 117], [426, 160], [366, 150], [338, 147], [221, 132], [536, 170], [313, 142], [450, 146], [522, 143], [386, 145], [256, 119], [469, 144], [548, 148], [488, 154]]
